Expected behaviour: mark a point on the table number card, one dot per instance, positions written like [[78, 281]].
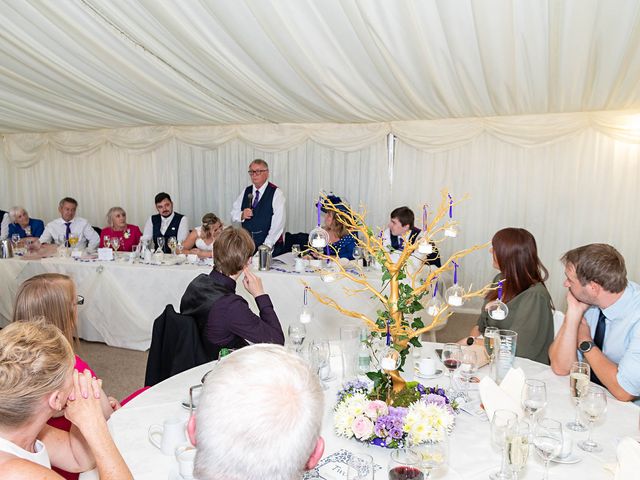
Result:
[[105, 254], [333, 467]]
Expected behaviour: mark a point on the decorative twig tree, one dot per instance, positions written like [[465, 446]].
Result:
[[401, 289]]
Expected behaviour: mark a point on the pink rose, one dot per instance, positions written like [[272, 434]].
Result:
[[362, 427], [376, 408]]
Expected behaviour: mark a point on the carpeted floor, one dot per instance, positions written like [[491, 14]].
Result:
[[122, 370]]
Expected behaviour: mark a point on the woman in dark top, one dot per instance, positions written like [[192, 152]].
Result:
[[224, 317], [515, 254]]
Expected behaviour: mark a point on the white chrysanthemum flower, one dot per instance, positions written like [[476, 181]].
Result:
[[356, 404], [342, 420], [426, 422]]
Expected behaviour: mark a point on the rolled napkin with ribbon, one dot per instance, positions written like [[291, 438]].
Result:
[[503, 397], [628, 453]]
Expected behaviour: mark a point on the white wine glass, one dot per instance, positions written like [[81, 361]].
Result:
[[468, 368], [547, 439], [433, 454], [534, 397], [501, 423], [592, 408], [360, 467], [115, 242], [172, 243], [297, 333], [518, 436], [579, 381], [357, 253], [451, 359], [106, 241]]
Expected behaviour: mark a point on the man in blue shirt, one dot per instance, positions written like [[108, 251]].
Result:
[[602, 323]]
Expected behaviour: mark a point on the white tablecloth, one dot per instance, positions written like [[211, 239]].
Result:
[[471, 456], [122, 300]]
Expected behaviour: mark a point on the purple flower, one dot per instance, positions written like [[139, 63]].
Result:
[[436, 399], [396, 432]]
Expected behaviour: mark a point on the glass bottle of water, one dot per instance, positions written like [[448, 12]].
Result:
[[364, 357]]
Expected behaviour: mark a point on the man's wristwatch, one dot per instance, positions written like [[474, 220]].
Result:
[[586, 346]]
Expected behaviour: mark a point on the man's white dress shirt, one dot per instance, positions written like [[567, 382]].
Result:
[[278, 218], [57, 229]]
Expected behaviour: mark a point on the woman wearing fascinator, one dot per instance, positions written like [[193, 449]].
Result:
[[341, 241], [530, 310], [200, 240]]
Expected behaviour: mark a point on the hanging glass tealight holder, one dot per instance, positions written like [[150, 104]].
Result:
[[435, 304], [424, 245], [319, 237], [497, 309], [329, 273], [389, 356], [452, 229], [455, 293], [306, 315]]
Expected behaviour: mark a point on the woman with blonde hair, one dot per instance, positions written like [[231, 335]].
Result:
[[37, 380], [200, 240], [117, 227], [341, 241]]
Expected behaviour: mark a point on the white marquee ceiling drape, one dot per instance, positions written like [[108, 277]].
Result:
[[90, 64]]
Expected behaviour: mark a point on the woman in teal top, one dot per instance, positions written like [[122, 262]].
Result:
[[515, 254]]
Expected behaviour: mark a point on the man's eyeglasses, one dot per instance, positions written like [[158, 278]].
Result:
[[79, 300], [256, 172]]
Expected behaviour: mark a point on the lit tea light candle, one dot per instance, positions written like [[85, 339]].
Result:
[[454, 300], [498, 314], [450, 232], [425, 248], [432, 310], [388, 364], [305, 317], [318, 243]]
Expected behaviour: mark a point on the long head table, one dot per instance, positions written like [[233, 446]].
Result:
[[122, 300], [471, 455]]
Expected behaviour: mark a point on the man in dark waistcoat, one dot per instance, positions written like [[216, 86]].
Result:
[[260, 208], [166, 223], [401, 229]]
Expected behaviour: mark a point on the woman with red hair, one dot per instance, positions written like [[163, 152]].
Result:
[[522, 274]]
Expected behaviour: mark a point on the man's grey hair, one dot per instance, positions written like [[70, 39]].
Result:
[[259, 416]]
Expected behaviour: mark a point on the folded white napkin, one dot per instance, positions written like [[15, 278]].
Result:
[[503, 397], [628, 454]]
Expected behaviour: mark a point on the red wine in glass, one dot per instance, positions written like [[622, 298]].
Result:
[[405, 473], [452, 364]]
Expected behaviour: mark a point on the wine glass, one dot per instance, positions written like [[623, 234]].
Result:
[[433, 454], [490, 334], [547, 439], [468, 368], [592, 407], [295, 250], [73, 240], [297, 334], [360, 467], [172, 244], [451, 359], [534, 397], [404, 464], [518, 447], [357, 254], [106, 241], [115, 242], [160, 244], [578, 386], [179, 248], [319, 356], [15, 239], [501, 423]]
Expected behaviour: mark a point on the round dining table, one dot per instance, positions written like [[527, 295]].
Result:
[[471, 455]]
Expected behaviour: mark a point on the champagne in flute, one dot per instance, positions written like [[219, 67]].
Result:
[[517, 451], [489, 340], [172, 244], [578, 385], [579, 377]]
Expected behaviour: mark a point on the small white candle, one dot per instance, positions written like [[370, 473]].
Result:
[[318, 242], [432, 310], [305, 317], [455, 300], [498, 314], [388, 364], [426, 248], [450, 232]]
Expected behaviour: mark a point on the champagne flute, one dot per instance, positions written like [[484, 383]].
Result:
[[501, 423], [534, 397], [404, 464], [547, 439], [490, 334], [578, 386], [468, 368], [106, 241], [592, 407], [115, 242], [451, 359], [160, 244], [518, 447], [360, 467], [297, 334]]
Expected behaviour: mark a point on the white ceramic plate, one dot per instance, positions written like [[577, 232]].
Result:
[[429, 377], [573, 458]]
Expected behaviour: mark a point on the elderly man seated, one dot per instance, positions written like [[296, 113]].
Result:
[[259, 417], [68, 226], [24, 226]]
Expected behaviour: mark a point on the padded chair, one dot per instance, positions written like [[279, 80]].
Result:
[[98, 230], [176, 346], [290, 239], [558, 318]]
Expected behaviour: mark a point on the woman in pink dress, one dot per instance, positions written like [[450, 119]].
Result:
[[128, 235]]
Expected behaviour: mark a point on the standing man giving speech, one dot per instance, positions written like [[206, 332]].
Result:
[[260, 208]]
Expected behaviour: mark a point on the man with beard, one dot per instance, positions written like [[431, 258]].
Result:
[[166, 223], [602, 323]]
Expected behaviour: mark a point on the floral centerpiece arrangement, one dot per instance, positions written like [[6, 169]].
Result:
[[419, 415]]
